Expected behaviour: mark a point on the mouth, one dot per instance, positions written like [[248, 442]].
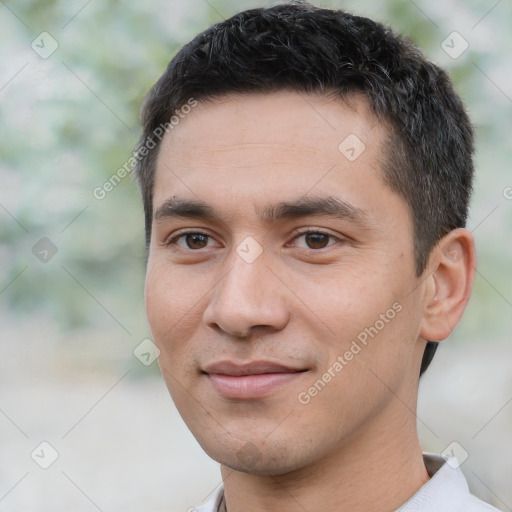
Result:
[[250, 381]]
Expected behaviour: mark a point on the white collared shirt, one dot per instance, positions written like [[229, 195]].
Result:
[[446, 491]]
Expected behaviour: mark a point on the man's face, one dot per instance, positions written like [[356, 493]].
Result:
[[255, 318]]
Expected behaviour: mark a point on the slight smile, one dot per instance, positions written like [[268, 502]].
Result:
[[249, 381]]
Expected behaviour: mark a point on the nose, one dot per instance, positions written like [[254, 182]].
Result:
[[249, 296]]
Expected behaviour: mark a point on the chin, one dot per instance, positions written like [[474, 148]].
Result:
[[258, 458]]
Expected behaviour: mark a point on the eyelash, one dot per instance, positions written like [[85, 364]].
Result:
[[173, 240]]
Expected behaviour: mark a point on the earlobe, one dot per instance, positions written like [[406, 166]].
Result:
[[452, 266]]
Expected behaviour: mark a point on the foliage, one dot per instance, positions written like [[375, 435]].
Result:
[[69, 121]]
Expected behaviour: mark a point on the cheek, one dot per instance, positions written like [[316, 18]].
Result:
[[156, 301], [370, 317], [174, 310], [169, 300], [344, 300]]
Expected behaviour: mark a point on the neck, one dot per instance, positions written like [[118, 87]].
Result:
[[379, 468]]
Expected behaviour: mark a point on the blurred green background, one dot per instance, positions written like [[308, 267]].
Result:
[[72, 78]]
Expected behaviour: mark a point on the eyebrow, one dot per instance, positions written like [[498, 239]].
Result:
[[304, 207]]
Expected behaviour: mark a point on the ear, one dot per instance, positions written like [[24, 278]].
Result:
[[451, 268]]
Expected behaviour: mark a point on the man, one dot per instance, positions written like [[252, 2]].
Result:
[[305, 176]]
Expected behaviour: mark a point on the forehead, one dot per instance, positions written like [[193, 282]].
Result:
[[304, 123], [279, 145]]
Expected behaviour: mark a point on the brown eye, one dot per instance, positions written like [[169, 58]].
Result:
[[191, 241], [314, 239], [317, 240], [196, 240]]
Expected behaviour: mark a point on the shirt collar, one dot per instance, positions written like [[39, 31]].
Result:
[[444, 492]]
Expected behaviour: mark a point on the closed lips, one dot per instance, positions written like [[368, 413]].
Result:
[[253, 368], [251, 381]]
